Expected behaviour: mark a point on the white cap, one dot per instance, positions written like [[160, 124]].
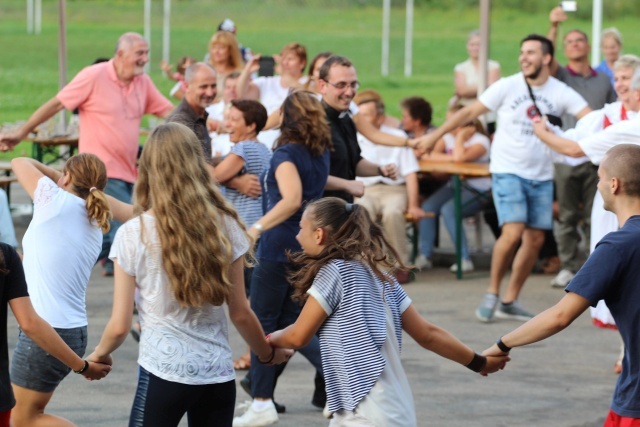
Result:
[[227, 25]]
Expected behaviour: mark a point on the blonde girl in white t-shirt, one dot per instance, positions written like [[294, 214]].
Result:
[[181, 258], [61, 246]]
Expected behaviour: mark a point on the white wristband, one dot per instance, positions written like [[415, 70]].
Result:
[[258, 227]]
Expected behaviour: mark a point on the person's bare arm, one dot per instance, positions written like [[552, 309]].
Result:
[[29, 171], [247, 184], [556, 17], [46, 337], [228, 168], [557, 143], [42, 114], [545, 324], [583, 112], [376, 136], [243, 82], [351, 186], [467, 114], [443, 343], [246, 322]]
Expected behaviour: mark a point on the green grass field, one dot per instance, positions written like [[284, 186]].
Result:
[[29, 69]]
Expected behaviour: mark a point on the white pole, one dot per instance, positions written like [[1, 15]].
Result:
[[483, 57], [147, 29], [38, 17], [386, 12], [62, 59], [596, 32], [30, 16], [166, 36], [408, 40]]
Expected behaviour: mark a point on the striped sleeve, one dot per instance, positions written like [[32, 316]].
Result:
[[327, 288]]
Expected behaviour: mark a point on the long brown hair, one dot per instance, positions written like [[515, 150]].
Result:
[[189, 212], [89, 177], [352, 235], [304, 121]]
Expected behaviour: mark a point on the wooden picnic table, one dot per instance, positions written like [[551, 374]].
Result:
[[459, 171]]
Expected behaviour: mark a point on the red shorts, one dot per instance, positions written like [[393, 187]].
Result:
[[615, 420], [4, 418]]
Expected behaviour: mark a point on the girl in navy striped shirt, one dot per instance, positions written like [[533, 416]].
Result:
[[359, 311]]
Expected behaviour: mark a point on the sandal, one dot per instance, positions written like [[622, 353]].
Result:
[[243, 362]]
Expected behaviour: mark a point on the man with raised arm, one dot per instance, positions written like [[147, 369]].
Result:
[[521, 166]]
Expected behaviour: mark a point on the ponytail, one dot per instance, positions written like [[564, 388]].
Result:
[[89, 178], [98, 209]]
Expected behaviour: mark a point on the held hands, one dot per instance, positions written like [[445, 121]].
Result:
[[494, 364], [540, 126], [425, 142], [282, 355], [96, 371]]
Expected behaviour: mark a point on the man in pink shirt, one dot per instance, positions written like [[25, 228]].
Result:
[[111, 98]]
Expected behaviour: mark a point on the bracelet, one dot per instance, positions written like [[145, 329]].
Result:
[[84, 368], [502, 346], [258, 227], [478, 363], [273, 354]]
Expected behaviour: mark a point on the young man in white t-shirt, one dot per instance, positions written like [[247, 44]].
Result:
[[521, 166]]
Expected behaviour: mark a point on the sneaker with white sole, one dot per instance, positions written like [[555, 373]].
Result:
[[513, 311], [562, 279], [255, 418], [487, 306], [423, 263], [467, 266]]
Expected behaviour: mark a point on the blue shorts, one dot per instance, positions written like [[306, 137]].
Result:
[[35, 369], [523, 200]]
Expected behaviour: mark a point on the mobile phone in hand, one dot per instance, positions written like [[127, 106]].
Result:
[[267, 65]]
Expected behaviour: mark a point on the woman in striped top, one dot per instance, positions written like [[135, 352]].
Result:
[[359, 312]]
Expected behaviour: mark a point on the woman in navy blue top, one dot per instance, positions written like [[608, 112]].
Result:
[[297, 174]]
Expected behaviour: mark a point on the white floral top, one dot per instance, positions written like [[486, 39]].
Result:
[[187, 345]]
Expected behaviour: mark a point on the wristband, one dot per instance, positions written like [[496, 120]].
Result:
[[258, 227], [84, 368], [273, 354], [502, 346], [478, 363]]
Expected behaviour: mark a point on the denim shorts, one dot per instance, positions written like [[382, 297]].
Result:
[[523, 200], [35, 369]]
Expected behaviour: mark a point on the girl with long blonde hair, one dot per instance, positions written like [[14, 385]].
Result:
[[61, 246], [181, 257]]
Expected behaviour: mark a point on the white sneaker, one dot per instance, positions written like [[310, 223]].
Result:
[[562, 279], [423, 263], [467, 266], [254, 418]]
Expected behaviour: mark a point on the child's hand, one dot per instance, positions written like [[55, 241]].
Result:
[[494, 364], [282, 355], [165, 66]]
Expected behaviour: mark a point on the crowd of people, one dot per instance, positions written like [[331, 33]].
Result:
[[286, 196]]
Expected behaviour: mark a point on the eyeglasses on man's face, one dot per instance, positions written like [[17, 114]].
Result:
[[343, 85]]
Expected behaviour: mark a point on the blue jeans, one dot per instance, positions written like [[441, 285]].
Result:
[[272, 303], [442, 202], [523, 200], [120, 190]]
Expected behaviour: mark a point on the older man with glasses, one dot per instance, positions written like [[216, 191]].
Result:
[[338, 84]]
